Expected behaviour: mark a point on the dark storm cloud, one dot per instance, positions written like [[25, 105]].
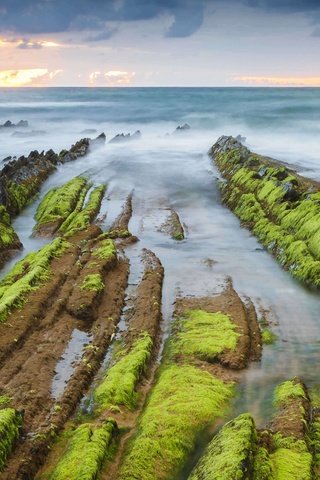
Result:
[[53, 16], [289, 6]]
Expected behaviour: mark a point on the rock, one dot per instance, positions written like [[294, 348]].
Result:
[[182, 128], [7, 159], [121, 137], [98, 140], [22, 123], [9, 124], [241, 139]]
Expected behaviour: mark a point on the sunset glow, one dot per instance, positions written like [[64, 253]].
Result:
[[20, 78]]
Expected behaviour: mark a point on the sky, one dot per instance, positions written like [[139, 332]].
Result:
[[159, 43]]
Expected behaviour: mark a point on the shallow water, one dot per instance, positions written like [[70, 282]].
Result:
[[175, 171]]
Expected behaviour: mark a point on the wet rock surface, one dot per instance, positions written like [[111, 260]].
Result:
[[277, 204], [126, 137], [21, 179]]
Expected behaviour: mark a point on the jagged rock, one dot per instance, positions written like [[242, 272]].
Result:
[[9, 124], [121, 137], [182, 128], [241, 139], [100, 139]]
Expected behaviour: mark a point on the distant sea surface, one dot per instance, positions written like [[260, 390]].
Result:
[[281, 122]]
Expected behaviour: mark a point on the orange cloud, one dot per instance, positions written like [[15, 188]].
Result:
[[24, 43], [280, 81], [112, 78], [26, 77]]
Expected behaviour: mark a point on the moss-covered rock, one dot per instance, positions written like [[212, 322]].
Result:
[[8, 237], [92, 282], [203, 334], [183, 401], [119, 383], [230, 453], [291, 459], [10, 422], [27, 275], [280, 207], [85, 451], [81, 220], [59, 203], [63, 209]]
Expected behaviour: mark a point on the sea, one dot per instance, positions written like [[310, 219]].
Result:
[[168, 169]]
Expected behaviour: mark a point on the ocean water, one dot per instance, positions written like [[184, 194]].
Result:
[[165, 170]]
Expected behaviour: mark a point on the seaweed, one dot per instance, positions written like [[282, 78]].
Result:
[[287, 391], [81, 220], [184, 399], [27, 276], [92, 282], [203, 334], [85, 452], [10, 422], [281, 208], [60, 202], [118, 385], [230, 453]]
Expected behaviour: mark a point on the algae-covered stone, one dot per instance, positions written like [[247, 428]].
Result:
[[183, 401], [85, 451], [291, 459], [10, 422], [280, 207], [118, 385], [230, 453], [204, 334], [27, 275]]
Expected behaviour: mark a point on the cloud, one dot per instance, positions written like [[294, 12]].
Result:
[[22, 77], [25, 77], [186, 22], [285, 5], [112, 78], [279, 81], [27, 44], [102, 35], [44, 16]]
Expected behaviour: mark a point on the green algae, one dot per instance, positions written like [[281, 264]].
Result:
[[105, 249], [10, 422], [315, 444], [262, 466], [119, 383], [291, 459], [287, 391], [203, 334], [85, 452], [93, 282], [8, 237], [181, 404], [81, 220], [27, 276], [60, 202], [230, 453], [4, 400], [268, 337], [280, 209], [20, 194]]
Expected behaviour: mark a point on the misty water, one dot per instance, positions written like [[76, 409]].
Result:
[[175, 171]]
